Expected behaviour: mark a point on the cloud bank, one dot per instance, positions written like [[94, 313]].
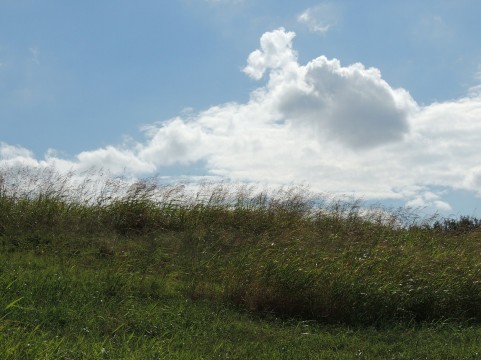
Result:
[[339, 128]]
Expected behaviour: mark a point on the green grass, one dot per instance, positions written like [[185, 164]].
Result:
[[101, 268]]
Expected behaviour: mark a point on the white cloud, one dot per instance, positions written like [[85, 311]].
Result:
[[14, 156], [275, 53], [115, 159], [35, 52], [9, 152], [352, 104], [478, 73], [475, 90], [429, 201], [433, 29], [319, 18], [341, 129]]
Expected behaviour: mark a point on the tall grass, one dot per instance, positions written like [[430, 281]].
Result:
[[286, 252]]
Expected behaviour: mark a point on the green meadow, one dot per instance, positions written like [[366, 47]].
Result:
[[94, 267]]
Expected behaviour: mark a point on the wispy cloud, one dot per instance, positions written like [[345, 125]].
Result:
[[319, 18], [475, 90], [429, 199], [340, 128], [434, 30], [35, 54]]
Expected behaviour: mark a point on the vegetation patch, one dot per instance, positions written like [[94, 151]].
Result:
[[99, 267]]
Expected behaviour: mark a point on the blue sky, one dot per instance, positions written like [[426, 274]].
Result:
[[377, 99]]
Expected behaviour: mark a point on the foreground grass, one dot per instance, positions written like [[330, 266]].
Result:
[[138, 271], [87, 306]]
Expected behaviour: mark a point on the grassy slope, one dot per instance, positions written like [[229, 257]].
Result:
[[266, 278], [82, 303]]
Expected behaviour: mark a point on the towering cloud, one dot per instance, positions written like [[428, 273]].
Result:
[[353, 105]]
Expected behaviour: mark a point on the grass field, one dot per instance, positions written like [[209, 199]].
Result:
[[102, 268]]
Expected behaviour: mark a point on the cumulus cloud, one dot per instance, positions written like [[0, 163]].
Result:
[[275, 53], [339, 128], [352, 104]]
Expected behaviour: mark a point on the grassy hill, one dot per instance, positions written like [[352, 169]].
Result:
[[95, 267]]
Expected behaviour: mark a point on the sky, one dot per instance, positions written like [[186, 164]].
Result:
[[376, 99]]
